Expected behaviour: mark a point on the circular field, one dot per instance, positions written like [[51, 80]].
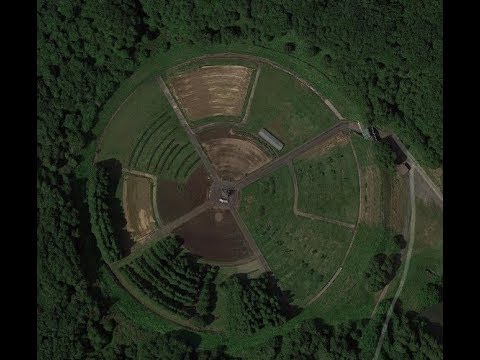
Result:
[[251, 170]]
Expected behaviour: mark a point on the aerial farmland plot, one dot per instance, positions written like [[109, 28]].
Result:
[[223, 222]]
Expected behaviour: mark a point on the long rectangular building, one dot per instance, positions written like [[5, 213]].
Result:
[[272, 140]]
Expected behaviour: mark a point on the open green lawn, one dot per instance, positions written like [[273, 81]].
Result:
[[287, 109], [303, 254], [348, 298], [427, 254], [328, 184], [146, 135]]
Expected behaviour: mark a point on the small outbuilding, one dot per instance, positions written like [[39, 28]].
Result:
[[272, 140]]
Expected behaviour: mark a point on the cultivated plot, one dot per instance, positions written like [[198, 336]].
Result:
[[287, 109], [175, 199], [328, 180], [232, 155], [212, 90], [303, 253], [137, 204], [214, 235]]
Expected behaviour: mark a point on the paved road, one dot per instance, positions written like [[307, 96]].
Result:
[[277, 163], [411, 240], [209, 167]]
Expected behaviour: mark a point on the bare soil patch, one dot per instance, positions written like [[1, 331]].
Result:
[[372, 196], [234, 158], [175, 199], [214, 240], [138, 205], [212, 90], [326, 146]]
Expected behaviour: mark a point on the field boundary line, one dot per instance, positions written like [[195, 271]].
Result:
[[100, 138], [309, 215], [248, 237], [183, 122], [250, 98], [327, 285], [360, 202], [411, 241]]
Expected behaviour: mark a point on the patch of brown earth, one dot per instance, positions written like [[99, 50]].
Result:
[[234, 158], [137, 204], [176, 199], [214, 240], [212, 90]]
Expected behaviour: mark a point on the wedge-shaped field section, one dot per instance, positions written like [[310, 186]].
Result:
[[232, 154], [214, 235], [302, 253], [328, 180], [287, 109], [212, 90], [145, 135], [138, 207]]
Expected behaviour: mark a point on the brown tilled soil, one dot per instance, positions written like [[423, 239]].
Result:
[[138, 205], [372, 195], [325, 147], [175, 199], [214, 235], [212, 90], [234, 158]]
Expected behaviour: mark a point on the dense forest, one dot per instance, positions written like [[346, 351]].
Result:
[[387, 54]]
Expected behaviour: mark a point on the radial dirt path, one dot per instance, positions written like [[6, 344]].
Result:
[[411, 241], [282, 160], [209, 167], [249, 238]]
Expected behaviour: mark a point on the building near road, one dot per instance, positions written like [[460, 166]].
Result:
[[272, 140]]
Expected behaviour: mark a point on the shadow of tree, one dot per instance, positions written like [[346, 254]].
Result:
[[117, 214]]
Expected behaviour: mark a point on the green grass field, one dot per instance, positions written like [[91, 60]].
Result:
[[328, 184], [348, 298], [145, 135], [303, 254], [427, 254], [287, 109]]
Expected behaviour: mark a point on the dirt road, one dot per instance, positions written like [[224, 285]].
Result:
[[188, 130], [411, 241], [249, 238], [283, 160]]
